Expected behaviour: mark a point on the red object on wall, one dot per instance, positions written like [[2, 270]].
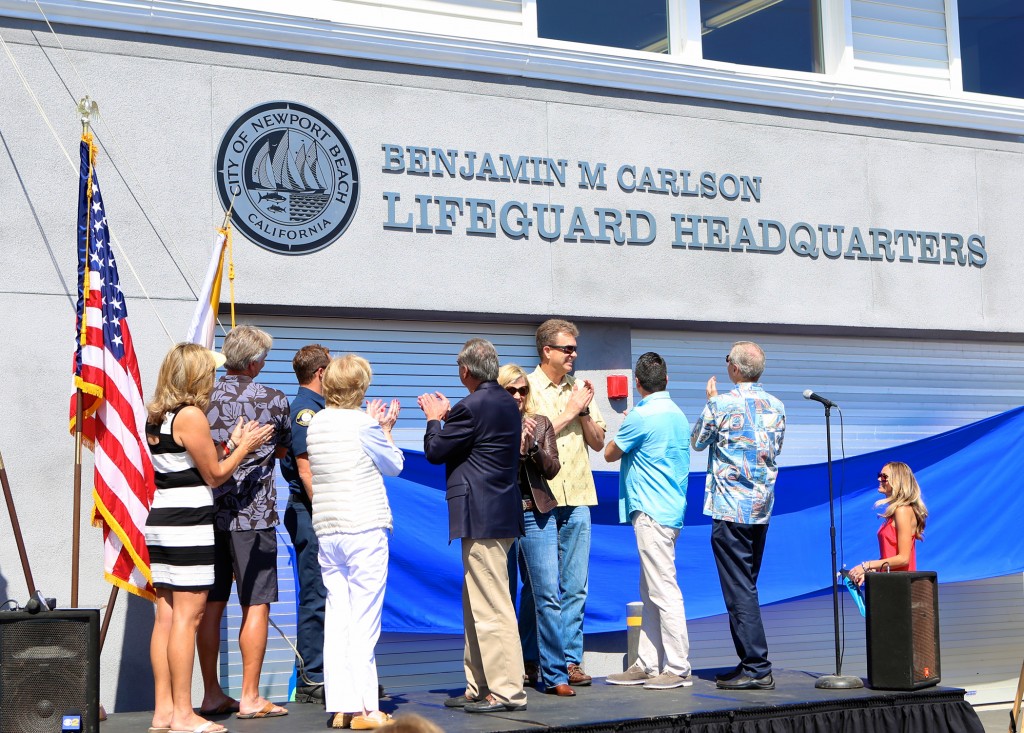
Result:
[[618, 386]]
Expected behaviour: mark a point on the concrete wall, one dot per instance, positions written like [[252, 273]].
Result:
[[166, 104]]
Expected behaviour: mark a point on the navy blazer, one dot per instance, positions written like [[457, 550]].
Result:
[[479, 443]]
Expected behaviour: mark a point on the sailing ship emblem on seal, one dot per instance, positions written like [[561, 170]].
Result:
[[290, 177]]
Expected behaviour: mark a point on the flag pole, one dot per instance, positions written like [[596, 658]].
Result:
[[16, 527], [84, 112], [231, 257]]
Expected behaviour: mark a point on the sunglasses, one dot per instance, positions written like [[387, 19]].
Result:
[[518, 390], [883, 477], [727, 359], [570, 349]]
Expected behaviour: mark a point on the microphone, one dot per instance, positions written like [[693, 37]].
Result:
[[809, 395]]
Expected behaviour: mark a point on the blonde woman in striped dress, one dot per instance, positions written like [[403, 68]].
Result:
[[179, 530]]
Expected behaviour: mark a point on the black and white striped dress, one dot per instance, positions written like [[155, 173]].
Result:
[[179, 531]]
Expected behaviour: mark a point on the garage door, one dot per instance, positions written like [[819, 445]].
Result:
[[408, 359]]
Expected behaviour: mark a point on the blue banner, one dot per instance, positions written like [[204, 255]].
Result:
[[972, 532]]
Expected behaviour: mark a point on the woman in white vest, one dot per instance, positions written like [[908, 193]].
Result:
[[349, 450]]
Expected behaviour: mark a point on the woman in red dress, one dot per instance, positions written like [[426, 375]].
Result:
[[904, 515]]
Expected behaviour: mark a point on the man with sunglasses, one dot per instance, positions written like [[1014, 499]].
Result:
[[569, 404], [743, 429]]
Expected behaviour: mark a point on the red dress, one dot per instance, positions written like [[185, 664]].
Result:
[[888, 545]]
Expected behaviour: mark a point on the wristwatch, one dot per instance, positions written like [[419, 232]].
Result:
[[585, 411]]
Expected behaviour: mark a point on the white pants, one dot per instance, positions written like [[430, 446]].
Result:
[[664, 644], [355, 570]]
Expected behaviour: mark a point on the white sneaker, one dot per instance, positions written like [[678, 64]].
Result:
[[635, 675], [668, 681]]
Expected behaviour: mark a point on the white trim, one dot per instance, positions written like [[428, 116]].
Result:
[[554, 62], [956, 72]]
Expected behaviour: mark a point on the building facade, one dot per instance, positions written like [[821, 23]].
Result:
[[673, 176]]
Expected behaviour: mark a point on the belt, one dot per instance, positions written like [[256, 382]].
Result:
[[527, 505]]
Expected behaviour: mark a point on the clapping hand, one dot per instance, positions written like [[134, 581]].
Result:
[[582, 395], [526, 441], [386, 418], [435, 406], [248, 435]]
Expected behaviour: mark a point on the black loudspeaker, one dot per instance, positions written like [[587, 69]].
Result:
[[49, 668], [902, 630]]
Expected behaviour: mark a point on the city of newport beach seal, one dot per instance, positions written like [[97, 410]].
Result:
[[290, 177]]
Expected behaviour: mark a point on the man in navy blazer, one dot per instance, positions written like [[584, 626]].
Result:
[[479, 445]]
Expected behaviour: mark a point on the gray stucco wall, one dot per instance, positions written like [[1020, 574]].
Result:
[[167, 105]]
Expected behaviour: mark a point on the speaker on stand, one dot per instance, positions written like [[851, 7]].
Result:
[[902, 630], [49, 669]]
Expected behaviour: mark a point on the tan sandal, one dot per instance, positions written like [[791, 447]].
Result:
[[340, 720], [369, 722]]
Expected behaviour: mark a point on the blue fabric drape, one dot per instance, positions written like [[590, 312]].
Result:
[[969, 477]]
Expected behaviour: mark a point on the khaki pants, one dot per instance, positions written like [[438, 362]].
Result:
[[493, 657], [664, 643]]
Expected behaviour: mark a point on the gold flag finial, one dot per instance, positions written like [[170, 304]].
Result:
[[86, 109]]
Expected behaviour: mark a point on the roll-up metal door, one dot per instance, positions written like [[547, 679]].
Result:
[[891, 391], [408, 359]]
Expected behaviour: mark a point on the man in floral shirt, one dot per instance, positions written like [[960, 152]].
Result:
[[744, 430], [245, 523]]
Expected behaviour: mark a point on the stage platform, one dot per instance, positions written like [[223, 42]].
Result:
[[795, 706]]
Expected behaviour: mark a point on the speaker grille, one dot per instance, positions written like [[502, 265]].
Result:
[[923, 629], [44, 673]]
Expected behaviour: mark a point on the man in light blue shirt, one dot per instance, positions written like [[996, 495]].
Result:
[[653, 444]]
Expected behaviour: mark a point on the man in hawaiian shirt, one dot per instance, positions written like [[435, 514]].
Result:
[[245, 523], [744, 429]]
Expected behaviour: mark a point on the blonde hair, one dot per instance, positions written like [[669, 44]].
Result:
[[905, 492], [245, 345], [346, 380], [186, 378], [748, 358], [513, 373]]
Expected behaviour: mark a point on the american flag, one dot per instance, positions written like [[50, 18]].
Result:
[[114, 413]]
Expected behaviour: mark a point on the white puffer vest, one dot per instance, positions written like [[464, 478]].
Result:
[[348, 490]]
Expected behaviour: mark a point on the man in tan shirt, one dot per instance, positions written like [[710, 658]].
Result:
[[568, 403]]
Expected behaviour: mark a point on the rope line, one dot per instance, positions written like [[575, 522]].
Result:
[[123, 253]]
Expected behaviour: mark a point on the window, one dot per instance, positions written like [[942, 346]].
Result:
[[991, 52], [778, 34], [637, 24]]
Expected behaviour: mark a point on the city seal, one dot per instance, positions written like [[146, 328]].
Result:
[[289, 176]]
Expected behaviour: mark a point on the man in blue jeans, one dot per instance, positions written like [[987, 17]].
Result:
[[569, 404], [309, 364]]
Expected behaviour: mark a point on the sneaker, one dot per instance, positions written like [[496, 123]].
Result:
[[577, 677], [668, 681], [635, 675], [310, 693]]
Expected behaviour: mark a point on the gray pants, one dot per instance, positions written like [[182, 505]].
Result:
[[664, 643]]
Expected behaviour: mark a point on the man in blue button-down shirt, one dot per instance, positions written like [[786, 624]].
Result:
[[744, 430], [653, 446]]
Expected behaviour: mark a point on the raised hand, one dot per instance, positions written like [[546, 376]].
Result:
[[375, 409], [251, 435], [529, 429], [435, 406], [387, 420]]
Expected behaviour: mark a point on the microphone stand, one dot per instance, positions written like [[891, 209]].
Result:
[[837, 681]]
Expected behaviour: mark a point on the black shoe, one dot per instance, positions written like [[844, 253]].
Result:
[[746, 682], [730, 675], [459, 701], [310, 693], [491, 706]]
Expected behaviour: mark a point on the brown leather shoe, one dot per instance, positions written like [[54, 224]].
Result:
[[562, 690], [532, 675], [577, 677]]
